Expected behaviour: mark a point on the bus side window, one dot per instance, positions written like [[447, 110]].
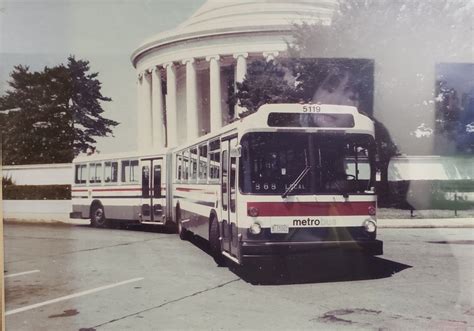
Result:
[[125, 171], [224, 181], [146, 181], [203, 162], [107, 172], [157, 182], [179, 158], [186, 166], [114, 172], [214, 160], [98, 172], [110, 172], [134, 171], [94, 169], [193, 159], [80, 174]]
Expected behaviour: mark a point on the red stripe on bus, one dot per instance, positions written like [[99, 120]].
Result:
[[311, 208], [115, 189], [186, 189], [78, 190]]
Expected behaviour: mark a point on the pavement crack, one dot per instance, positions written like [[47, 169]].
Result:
[[169, 302]]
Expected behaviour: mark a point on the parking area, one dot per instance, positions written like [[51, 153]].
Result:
[[73, 277]]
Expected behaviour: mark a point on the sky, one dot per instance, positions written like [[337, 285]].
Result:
[[40, 33]]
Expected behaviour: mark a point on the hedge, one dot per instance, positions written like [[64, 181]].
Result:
[[426, 194], [36, 192]]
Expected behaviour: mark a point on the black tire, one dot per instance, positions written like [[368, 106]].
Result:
[[214, 242], [98, 219], [182, 232]]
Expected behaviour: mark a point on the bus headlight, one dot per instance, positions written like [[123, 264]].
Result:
[[255, 228], [370, 226]]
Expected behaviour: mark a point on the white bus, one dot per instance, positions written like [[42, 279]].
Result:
[[121, 187], [290, 178]]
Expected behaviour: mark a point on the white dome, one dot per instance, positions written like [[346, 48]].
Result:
[[218, 17]]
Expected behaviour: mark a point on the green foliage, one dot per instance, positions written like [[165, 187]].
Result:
[[265, 82], [7, 181], [428, 194], [52, 115], [36, 192]]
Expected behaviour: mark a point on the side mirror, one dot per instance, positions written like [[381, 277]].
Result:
[[236, 151]]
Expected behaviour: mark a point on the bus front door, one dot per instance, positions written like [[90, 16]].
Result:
[[153, 197], [229, 229]]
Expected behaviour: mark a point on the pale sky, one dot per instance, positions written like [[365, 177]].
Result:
[[42, 33]]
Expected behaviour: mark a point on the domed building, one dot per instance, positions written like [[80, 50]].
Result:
[[184, 74], [410, 62]]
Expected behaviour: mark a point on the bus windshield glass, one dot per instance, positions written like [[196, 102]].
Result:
[[320, 163]]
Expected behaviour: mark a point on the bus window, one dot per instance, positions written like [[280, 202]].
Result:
[[186, 165], [110, 172], [193, 158], [157, 181], [214, 159], [81, 170], [203, 162], [146, 181], [224, 181], [95, 172], [134, 171], [130, 171], [179, 159]]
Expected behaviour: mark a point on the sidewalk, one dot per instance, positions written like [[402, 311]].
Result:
[[383, 223], [426, 223]]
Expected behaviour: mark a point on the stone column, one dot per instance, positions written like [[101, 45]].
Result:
[[240, 72], [171, 109], [159, 137], [270, 56], [147, 117], [191, 100], [215, 92], [140, 116]]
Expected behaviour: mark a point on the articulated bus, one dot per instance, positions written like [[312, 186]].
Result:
[[121, 187], [291, 178]]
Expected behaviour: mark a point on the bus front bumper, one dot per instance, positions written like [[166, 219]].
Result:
[[251, 249]]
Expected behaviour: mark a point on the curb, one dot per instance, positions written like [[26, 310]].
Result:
[[58, 222], [426, 223]]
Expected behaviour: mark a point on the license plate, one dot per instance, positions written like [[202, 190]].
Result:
[[279, 228]]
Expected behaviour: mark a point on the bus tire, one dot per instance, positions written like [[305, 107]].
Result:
[[182, 232], [214, 242], [98, 219]]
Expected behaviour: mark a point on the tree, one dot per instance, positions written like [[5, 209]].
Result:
[[52, 115], [310, 76], [265, 82]]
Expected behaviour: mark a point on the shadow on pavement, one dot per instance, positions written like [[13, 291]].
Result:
[[134, 227], [310, 268], [301, 269]]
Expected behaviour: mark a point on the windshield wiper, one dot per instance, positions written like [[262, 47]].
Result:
[[299, 178]]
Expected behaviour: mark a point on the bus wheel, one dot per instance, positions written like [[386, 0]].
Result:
[[182, 232], [214, 242], [98, 219]]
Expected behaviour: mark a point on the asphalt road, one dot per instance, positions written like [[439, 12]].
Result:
[[80, 278]]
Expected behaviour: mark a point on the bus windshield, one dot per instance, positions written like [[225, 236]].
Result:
[[318, 163]]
